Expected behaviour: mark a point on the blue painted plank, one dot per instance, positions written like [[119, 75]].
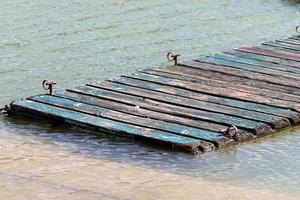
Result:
[[129, 119], [112, 103], [84, 120]]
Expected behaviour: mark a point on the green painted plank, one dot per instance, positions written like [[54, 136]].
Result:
[[106, 125], [121, 104], [131, 119]]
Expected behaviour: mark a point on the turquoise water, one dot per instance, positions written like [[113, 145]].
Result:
[[75, 42]]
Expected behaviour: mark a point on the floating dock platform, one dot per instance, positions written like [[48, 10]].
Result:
[[197, 106]]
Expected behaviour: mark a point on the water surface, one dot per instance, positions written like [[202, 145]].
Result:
[[75, 42]]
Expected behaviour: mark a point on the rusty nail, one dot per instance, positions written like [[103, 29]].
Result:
[[171, 56], [48, 85]]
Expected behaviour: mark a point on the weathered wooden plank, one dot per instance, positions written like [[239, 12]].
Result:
[[232, 80], [289, 41], [294, 37], [279, 47], [291, 46], [290, 70], [294, 117], [122, 105], [219, 91], [147, 103], [224, 84], [276, 122], [280, 61], [247, 67], [241, 73], [178, 129], [272, 53], [105, 125]]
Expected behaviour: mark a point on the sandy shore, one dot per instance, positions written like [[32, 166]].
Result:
[[30, 171]]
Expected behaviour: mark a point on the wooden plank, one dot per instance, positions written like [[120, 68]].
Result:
[[279, 47], [218, 91], [105, 125], [241, 73], [280, 61], [289, 41], [294, 117], [258, 63], [272, 53], [122, 105], [186, 101], [280, 44], [232, 80], [178, 129], [249, 125], [224, 84], [247, 67]]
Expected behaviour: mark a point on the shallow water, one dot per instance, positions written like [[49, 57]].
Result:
[[75, 42]]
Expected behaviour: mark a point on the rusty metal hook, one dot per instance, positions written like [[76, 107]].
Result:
[[231, 132], [297, 29], [171, 56], [48, 85]]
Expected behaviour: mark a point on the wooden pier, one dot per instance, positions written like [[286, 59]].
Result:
[[197, 106]]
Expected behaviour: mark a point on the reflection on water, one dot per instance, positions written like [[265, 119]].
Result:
[[82, 41]]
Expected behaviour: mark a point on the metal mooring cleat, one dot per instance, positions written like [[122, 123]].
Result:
[[171, 56], [48, 85]]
